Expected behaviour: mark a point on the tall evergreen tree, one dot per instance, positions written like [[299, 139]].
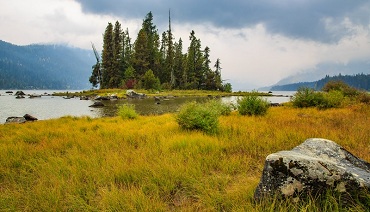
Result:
[[170, 54], [141, 55], [218, 79], [163, 55], [178, 65], [107, 57], [127, 50], [117, 74], [153, 42], [195, 70]]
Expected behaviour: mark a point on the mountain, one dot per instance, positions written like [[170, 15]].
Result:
[[322, 70], [359, 81], [44, 67]]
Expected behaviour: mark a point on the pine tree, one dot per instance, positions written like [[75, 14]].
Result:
[[141, 55], [117, 74], [153, 43], [218, 79], [179, 65], [107, 57], [170, 55], [127, 50], [195, 70]]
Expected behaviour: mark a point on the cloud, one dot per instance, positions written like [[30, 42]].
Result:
[[253, 56], [259, 42], [293, 18], [53, 21]]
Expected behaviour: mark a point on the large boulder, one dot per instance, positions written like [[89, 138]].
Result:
[[133, 94], [15, 120], [312, 168]]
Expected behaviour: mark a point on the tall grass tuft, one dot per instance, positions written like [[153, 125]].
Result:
[[202, 116], [127, 111], [252, 105]]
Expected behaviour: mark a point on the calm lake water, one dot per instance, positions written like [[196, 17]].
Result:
[[49, 107]]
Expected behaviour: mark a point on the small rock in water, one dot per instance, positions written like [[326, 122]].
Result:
[[28, 117], [97, 104], [313, 167]]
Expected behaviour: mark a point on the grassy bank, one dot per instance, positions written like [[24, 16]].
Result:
[[150, 164], [183, 93]]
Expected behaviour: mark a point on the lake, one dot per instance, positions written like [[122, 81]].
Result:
[[49, 107]]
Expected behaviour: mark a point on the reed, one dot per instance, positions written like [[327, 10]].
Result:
[[151, 164]]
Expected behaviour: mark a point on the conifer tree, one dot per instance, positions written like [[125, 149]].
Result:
[[117, 74], [218, 79], [195, 71], [127, 50], [153, 42], [107, 56], [141, 55], [170, 55], [179, 65]]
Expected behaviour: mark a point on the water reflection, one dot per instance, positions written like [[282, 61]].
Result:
[[146, 106]]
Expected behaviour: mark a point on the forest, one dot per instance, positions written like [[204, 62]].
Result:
[[359, 81], [154, 61]]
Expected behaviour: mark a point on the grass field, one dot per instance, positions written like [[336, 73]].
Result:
[[150, 164]]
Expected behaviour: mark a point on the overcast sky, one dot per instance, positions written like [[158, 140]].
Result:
[[259, 42]]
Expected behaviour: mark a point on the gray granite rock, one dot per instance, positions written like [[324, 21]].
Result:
[[16, 120], [313, 167]]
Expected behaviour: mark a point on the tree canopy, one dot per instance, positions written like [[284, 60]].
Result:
[[127, 65]]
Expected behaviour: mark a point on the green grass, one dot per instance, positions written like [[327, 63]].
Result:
[[151, 164]]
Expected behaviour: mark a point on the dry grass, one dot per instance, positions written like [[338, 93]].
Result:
[[150, 164]]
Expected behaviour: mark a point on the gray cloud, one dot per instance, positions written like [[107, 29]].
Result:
[[294, 18]]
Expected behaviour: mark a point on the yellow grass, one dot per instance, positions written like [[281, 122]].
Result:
[[150, 164]]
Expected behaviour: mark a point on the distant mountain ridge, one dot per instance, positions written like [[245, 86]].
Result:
[[359, 81], [44, 67]]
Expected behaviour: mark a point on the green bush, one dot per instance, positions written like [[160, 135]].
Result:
[[252, 105], [127, 111], [196, 116], [331, 99], [337, 85], [307, 97], [219, 107]]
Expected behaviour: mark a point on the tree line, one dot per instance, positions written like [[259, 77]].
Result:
[[154, 62]]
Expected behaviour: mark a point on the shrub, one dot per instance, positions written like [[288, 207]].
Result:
[[127, 111], [331, 99], [196, 116], [219, 107], [252, 105], [364, 97], [227, 88], [150, 81], [341, 86], [307, 97]]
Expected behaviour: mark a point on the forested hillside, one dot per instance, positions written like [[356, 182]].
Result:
[[360, 81], [44, 67]]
